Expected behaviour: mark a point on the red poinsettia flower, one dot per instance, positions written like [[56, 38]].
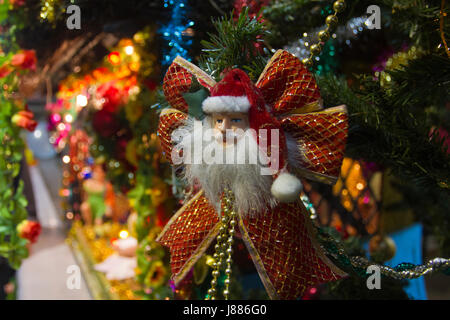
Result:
[[24, 119], [25, 60], [4, 71], [29, 230]]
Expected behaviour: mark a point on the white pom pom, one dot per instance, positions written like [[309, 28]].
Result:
[[286, 188]]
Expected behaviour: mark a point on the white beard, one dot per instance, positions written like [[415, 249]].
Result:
[[250, 188]]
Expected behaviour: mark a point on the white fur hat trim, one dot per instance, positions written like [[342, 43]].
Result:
[[226, 104]]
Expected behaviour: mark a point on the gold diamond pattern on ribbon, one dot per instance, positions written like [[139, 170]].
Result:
[[176, 82], [287, 85], [168, 122], [188, 234], [282, 241], [323, 137], [178, 79]]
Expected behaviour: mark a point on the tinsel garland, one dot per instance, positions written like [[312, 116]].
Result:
[[326, 62], [359, 265], [406, 270], [177, 32]]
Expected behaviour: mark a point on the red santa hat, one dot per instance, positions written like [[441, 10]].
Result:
[[236, 93]]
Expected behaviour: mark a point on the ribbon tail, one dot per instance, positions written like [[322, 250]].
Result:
[[285, 253], [188, 234]]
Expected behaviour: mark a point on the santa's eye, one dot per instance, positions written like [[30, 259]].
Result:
[[236, 120], [219, 120]]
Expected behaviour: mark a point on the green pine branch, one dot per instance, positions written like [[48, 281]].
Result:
[[233, 46], [389, 134]]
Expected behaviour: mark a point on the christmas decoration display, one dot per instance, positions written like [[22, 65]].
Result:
[[114, 172], [288, 88], [95, 249], [321, 213]]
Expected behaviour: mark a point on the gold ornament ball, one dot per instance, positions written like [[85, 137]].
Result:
[[331, 21], [315, 49], [382, 248], [324, 35], [307, 62], [339, 6]]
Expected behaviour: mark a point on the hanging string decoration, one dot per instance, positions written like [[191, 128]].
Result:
[[343, 35], [324, 35], [359, 265]]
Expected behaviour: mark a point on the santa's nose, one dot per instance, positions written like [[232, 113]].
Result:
[[226, 125]]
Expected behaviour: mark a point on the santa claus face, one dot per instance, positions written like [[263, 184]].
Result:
[[215, 164], [232, 121]]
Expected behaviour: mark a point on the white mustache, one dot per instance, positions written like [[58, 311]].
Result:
[[229, 135]]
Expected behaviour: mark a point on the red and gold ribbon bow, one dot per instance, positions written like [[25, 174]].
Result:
[[281, 242]]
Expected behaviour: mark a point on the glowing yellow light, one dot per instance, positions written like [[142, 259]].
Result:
[[348, 205], [129, 50], [66, 159], [61, 126], [114, 58], [305, 34], [360, 186], [82, 100], [134, 66], [123, 234], [68, 118]]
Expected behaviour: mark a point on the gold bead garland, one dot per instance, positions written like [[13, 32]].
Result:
[[224, 248], [331, 21]]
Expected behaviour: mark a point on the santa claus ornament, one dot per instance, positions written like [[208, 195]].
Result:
[[280, 121]]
